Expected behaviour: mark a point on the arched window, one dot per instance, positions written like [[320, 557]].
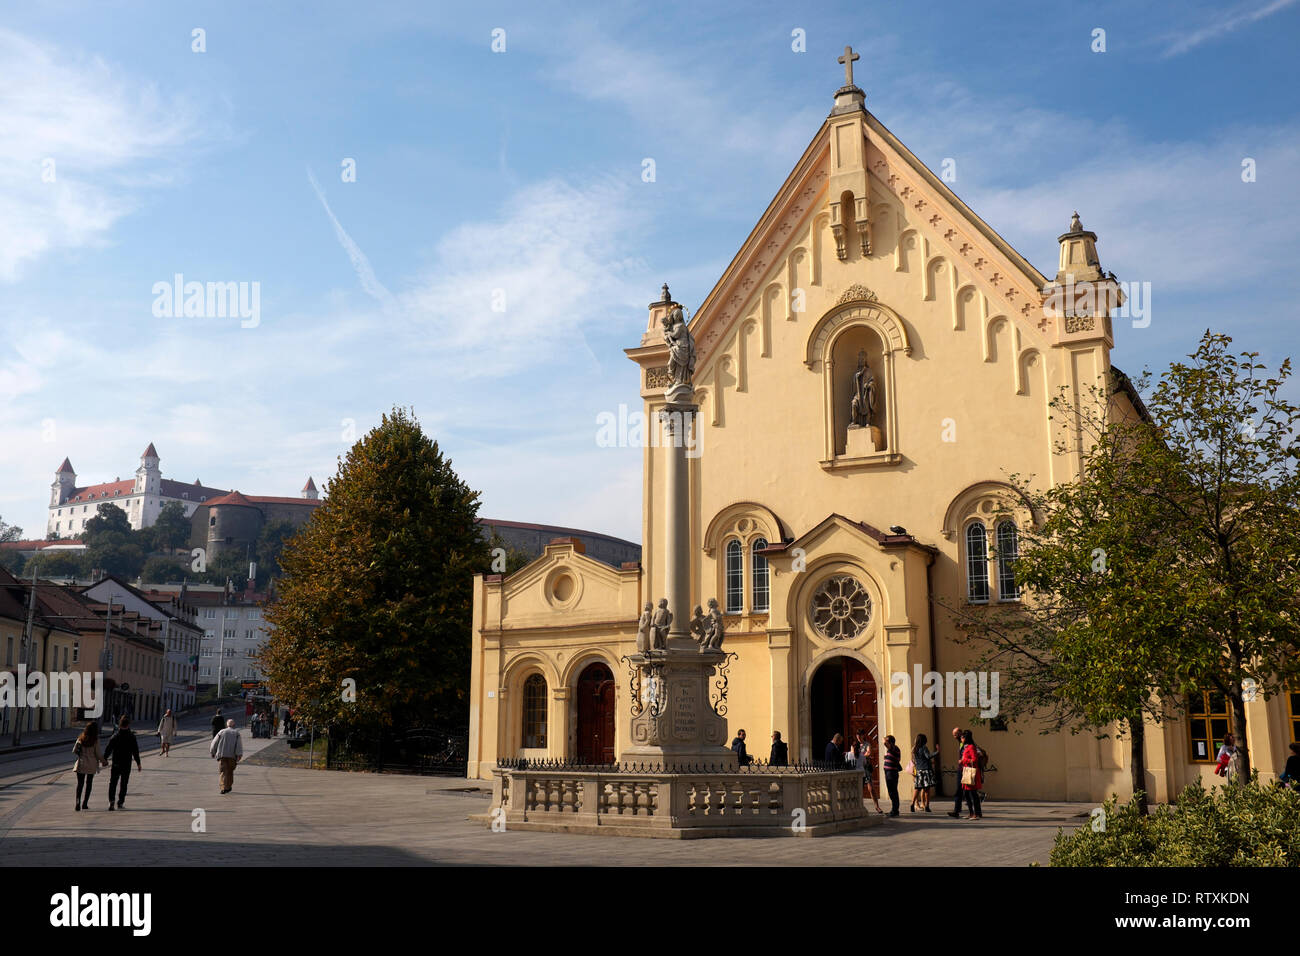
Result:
[[1008, 551], [977, 563], [535, 711], [735, 577], [759, 565]]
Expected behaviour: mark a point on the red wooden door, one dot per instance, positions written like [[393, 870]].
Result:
[[596, 715], [860, 708]]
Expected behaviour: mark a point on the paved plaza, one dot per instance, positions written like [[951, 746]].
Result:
[[280, 816]]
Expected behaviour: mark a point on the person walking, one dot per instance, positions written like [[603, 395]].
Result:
[[227, 747], [166, 731], [959, 798], [123, 747], [89, 759], [780, 755], [893, 767], [738, 747], [972, 774], [217, 722], [922, 772]]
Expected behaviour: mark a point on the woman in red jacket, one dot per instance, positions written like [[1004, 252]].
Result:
[[970, 757]]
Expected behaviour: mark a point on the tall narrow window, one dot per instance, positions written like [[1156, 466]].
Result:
[[759, 565], [735, 577], [535, 711], [977, 563], [1008, 551]]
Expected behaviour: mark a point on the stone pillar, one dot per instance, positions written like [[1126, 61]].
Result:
[[678, 418]]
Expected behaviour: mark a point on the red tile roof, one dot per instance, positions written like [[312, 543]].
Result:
[[109, 489], [66, 466], [310, 486], [233, 498], [149, 452], [271, 500]]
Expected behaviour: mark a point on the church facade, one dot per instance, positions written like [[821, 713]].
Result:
[[871, 368]]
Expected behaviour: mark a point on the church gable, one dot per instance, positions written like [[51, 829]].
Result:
[[563, 585], [859, 198]]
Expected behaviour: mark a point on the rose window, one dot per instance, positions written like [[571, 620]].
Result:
[[841, 608]]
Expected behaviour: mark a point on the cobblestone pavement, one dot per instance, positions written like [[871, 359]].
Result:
[[284, 816]]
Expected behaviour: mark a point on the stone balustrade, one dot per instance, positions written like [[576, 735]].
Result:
[[679, 802]]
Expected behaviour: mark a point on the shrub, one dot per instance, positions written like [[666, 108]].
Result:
[[1252, 825]]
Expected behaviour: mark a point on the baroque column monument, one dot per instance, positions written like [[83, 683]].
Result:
[[673, 718]]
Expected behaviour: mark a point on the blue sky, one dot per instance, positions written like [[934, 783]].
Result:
[[520, 171]]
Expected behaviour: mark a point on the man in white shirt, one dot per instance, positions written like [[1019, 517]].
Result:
[[227, 747]]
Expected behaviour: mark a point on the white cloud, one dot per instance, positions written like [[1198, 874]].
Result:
[[501, 295], [1224, 23], [104, 134]]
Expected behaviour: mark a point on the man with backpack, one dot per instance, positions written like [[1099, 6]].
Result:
[[121, 750]]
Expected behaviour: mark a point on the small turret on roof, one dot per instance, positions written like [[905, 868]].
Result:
[[150, 452], [66, 468]]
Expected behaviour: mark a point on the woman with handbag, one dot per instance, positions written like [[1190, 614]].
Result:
[[922, 771], [89, 759], [972, 775]]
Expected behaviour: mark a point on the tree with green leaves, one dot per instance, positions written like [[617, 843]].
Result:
[[372, 626], [171, 529], [112, 545], [1169, 567], [1228, 489], [1091, 643], [9, 532], [270, 546]]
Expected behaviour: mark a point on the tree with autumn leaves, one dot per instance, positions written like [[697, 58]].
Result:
[[371, 629]]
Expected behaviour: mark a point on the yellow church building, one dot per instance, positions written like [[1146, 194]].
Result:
[[870, 368]]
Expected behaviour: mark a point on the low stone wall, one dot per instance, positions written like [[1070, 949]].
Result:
[[653, 803]]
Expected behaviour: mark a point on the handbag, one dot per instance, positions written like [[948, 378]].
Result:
[[911, 767], [968, 776]]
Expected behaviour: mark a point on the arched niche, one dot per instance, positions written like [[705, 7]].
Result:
[[858, 326]]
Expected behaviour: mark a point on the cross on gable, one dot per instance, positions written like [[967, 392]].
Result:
[[847, 59]]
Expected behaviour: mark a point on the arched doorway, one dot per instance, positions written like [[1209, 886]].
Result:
[[842, 699], [596, 715]]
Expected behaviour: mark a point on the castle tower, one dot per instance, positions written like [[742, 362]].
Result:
[[309, 489], [148, 477], [65, 480]]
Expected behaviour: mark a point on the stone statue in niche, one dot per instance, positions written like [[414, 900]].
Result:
[[644, 628], [862, 413], [663, 618], [698, 624], [713, 628], [681, 347]]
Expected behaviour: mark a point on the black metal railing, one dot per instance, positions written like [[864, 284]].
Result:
[[420, 750]]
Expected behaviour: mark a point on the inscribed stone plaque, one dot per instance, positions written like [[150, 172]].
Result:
[[685, 710]]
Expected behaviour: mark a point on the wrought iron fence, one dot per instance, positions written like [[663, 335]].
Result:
[[421, 750]]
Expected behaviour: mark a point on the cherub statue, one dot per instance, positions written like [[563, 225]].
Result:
[[698, 624]]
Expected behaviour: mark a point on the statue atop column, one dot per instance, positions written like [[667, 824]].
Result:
[[643, 629], [863, 409], [663, 619], [681, 347]]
